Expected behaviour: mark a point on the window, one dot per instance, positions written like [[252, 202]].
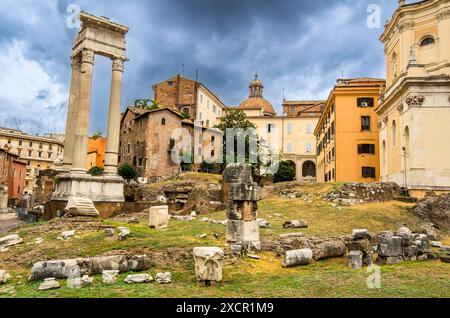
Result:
[[213, 153], [366, 149], [365, 123], [201, 99], [50, 147], [9, 141], [292, 109], [31, 144], [41, 146], [20, 142], [213, 141], [140, 162], [207, 123], [427, 41], [49, 155], [394, 133], [289, 147], [384, 151], [30, 153], [309, 147], [129, 148], [214, 109], [170, 83], [365, 102], [289, 128], [40, 154], [163, 121], [171, 144], [309, 128], [368, 172], [270, 128], [19, 152]]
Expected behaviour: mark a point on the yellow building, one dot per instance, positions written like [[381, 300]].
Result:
[[347, 133], [415, 109], [291, 135], [40, 153]]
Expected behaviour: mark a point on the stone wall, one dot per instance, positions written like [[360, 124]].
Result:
[[356, 193], [435, 209]]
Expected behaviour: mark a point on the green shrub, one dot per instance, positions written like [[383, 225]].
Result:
[[127, 171]]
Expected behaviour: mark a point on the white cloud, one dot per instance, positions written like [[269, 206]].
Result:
[[27, 91]]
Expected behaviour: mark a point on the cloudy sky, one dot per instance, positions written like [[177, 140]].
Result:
[[300, 45]]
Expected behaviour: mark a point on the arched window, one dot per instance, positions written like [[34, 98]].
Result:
[[406, 141], [163, 121], [394, 133], [427, 41]]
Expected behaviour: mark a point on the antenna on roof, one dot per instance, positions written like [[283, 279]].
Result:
[[182, 69], [284, 97], [196, 75], [342, 74]]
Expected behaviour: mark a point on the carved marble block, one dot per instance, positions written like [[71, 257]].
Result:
[[158, 217], [208, 264]]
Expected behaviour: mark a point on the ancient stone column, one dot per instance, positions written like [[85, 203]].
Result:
[[71, 114], [112, 143], [84, 105]]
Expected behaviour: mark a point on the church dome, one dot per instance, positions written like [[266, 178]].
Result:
[[256, 99]]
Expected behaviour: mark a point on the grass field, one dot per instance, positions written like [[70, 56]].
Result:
[[171, 251]]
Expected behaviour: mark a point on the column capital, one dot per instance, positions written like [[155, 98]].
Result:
[[88, 56], [118, 63], [75, 61]]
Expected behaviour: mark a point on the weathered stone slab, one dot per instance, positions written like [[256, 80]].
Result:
[[124, 232], [164, 278], [67, 234], [4, 276], [10, 240], [291, 235], [158, 217], [49, 283], [355, 259], [361, 234], [110, 277], [138, 279], [77, 206], [297, 257], [244, 231], [295, 224], [208, 264]]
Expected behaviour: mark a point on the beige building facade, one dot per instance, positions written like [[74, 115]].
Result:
[[415, 107], [40, 153], [292, 135]]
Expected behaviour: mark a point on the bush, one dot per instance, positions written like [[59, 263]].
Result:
[[127, 171], [286, 172], [96, 171]]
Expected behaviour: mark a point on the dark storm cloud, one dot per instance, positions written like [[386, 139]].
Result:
[[302, 46]]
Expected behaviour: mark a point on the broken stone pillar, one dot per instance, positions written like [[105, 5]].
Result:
[[242, 195], [297, 257], [158, 217], [3, 199], [208, 264], [81, 207], [355, 259]]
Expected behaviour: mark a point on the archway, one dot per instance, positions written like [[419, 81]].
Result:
[[309, 169]]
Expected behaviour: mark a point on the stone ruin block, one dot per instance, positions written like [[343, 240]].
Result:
[[208, 264], [297, 257], [355, 259], [81, 207], [158, 217], [242, 196], [401, 246]]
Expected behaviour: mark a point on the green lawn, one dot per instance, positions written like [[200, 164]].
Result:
[[170, 250]]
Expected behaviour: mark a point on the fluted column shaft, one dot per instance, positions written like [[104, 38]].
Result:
[[71, 114], [84, 105], [112, 143]]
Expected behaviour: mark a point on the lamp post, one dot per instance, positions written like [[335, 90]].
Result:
[[404, 170]]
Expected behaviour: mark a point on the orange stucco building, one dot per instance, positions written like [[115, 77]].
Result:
[[96, 152], [347, 132]]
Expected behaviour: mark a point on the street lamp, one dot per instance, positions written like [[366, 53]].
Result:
[[404, 170]]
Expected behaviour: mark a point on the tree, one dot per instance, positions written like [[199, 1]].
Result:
[[144, 103], [96, 171], [127, 171], [236, 118], [96, 135], [286, 172]]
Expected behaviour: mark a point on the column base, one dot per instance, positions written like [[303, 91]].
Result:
[[245, 232], [98, 189]]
